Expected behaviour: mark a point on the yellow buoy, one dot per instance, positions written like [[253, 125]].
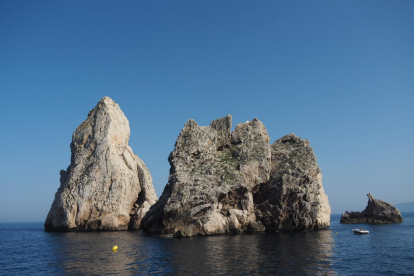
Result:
[[115, 248], [336, 232]]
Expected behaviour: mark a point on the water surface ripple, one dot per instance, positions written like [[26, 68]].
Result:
[[388, 250]]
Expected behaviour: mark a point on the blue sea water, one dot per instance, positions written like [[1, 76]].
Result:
[[388, 250]]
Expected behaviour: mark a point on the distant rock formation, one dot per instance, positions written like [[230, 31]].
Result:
[[223, 182], [377, 211], [106, 186], [405, 206]]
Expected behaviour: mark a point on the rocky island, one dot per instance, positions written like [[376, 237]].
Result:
[[230, 182], [377, 211], [106, 186]]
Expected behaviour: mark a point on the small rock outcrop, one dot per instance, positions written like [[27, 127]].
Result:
[[229, 182], [377, 211], [106, 186]]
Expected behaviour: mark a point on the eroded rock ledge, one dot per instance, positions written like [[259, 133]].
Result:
[[228, 182], [377, 211], [106, 186]]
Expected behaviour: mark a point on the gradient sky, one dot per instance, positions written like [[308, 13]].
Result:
[[338, 73]]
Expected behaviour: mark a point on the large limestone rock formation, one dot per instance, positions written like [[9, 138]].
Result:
[[106, 186], [294, 198], [377, 211], [223, 182]]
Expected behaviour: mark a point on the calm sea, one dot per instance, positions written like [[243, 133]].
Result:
[[388, 250]]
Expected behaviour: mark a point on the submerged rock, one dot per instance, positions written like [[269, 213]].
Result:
[[228, 182], [106, 186], [377, 211]]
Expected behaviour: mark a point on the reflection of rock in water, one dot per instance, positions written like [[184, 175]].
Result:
[[308, 253], [91, 253], [235, 254], [229, 254]]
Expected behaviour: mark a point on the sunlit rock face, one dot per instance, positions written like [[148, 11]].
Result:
[[229, 182], [377, 211], [106, 186]]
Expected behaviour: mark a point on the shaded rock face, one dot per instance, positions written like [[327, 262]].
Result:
[[228, 182], [294, 198], [106, 186], [377, 211]]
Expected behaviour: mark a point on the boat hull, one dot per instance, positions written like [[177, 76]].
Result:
[[360, 231]]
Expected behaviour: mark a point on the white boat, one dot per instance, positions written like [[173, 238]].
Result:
[[360, 231]]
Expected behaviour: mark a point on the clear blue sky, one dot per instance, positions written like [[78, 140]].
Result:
[[339, 73]]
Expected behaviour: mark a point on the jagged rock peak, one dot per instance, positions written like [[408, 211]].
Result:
[[223, 128], [106, 186], [249, 131], [377, 211], [226, 182]]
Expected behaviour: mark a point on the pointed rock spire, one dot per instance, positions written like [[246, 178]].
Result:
[[106, 186]]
